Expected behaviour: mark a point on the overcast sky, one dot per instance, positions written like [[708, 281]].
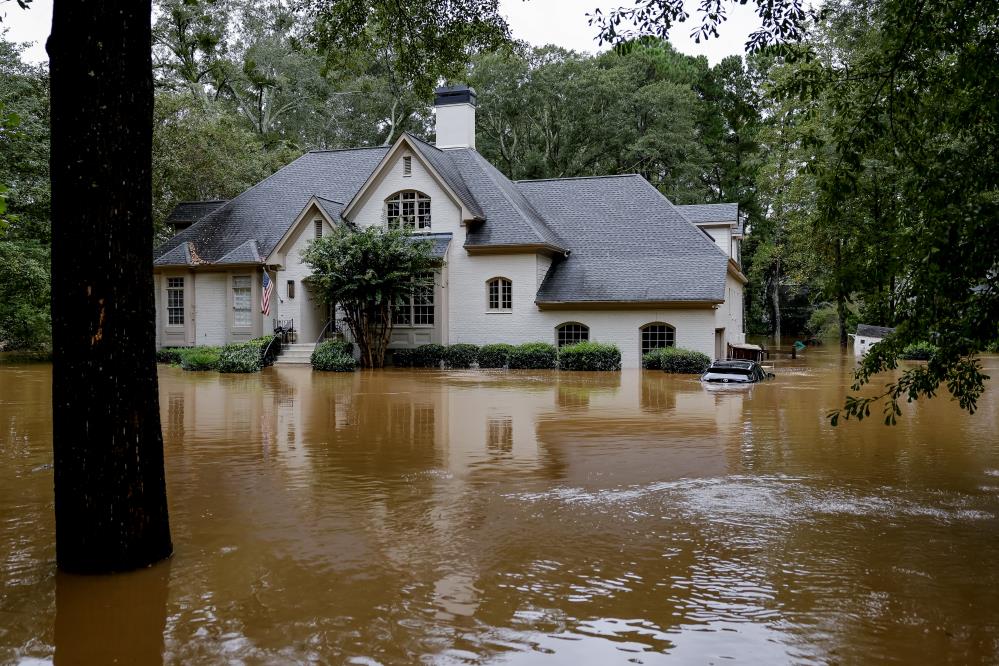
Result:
[[539, 22]]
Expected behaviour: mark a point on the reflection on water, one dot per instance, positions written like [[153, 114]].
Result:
[[523, 518]]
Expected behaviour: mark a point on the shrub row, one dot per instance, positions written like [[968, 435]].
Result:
[[248, 356], [529, 356], [334, 356], [676, 360], [589, 356]]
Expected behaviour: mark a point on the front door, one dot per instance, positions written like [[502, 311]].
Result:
[[720, 343], [314, 316]]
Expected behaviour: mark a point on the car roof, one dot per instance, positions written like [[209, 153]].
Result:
[[745, 365]]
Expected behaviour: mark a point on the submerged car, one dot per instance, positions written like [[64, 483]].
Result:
[[735, 372]]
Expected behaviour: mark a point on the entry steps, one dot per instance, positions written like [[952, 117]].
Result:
[[295, 354]]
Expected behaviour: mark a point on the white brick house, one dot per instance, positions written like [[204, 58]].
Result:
[[607, 259]]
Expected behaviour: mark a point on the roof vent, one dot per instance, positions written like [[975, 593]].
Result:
[[455, 106]]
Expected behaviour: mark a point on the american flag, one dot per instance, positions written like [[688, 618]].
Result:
[[265, 299]]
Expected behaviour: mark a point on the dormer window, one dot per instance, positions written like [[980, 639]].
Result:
[[408, 209], [407, 166]]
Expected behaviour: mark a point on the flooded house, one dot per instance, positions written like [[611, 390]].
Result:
[[866, 336], [606, 258]]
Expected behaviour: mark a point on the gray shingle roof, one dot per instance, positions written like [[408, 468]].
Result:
[[442, 163], [705, 213], [866, 331], [330, 207], [510, 218], [265, 211], [628, 244], [439, 241], [188, 212]]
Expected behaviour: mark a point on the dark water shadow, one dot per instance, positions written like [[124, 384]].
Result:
[[116, 619]]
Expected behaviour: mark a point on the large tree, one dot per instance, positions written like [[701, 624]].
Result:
[[366, 275], [110, 491]]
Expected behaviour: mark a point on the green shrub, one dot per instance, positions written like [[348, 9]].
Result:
[[495, 355], [244, 357], [461, 355], [429, 356], [268, 347], [331, 356], [589, 356], [918, 351], [199, 358], [402, 358], [676, 360], [992, 347], [533, 356], [170, 355]]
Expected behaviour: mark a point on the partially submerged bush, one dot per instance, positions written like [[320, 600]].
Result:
[[533, 356], [918, 351], [589, 356], [495, 355], [402, 358], [429, 356], [677, 361], [199, 358], [245, 357], [461, 355], [330, 356], [170, 355], [268, 348]]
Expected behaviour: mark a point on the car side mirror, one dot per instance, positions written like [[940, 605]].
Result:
[[770, 375]]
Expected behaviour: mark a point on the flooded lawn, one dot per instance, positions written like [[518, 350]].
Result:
[[524, 518]]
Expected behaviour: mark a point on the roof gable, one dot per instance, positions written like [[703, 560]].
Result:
[[265, 211], [438, 168], [628, 244]]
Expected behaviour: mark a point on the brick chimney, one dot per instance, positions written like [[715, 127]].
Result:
[[455, 107]]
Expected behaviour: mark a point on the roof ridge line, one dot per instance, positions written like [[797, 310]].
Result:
[[344, 150], [544, 180]]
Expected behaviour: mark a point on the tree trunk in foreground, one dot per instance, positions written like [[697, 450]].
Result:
[[110, 492]]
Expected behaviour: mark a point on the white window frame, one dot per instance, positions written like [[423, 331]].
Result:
[[584, 330], [173, 288], [503, 301], [670, 337], [418, 220], [237, 325], [423, 284]]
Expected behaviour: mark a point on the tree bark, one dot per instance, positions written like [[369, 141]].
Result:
[[110, 491]]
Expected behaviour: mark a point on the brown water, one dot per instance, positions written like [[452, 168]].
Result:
[[402, 517]]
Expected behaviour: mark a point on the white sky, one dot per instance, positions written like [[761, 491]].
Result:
[[538, 22]]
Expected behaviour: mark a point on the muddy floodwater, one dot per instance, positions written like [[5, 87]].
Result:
[[405, 517]]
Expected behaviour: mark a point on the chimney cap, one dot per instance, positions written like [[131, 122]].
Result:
[[459, 94]]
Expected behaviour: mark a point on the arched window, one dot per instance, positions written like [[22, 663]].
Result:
[[500, 294], [571, 332], [656, 335], [408, 209]]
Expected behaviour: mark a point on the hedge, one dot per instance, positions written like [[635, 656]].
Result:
[[533, 356], [589, 356], [461, 355], [245, 357], [918, 351], [334, 356], [429, 356], [495, 355], [402, 358], [676, 360], [170, 355], [199, 358]]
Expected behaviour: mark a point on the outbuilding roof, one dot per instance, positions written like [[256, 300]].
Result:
[[627, 243], [867, 331]]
